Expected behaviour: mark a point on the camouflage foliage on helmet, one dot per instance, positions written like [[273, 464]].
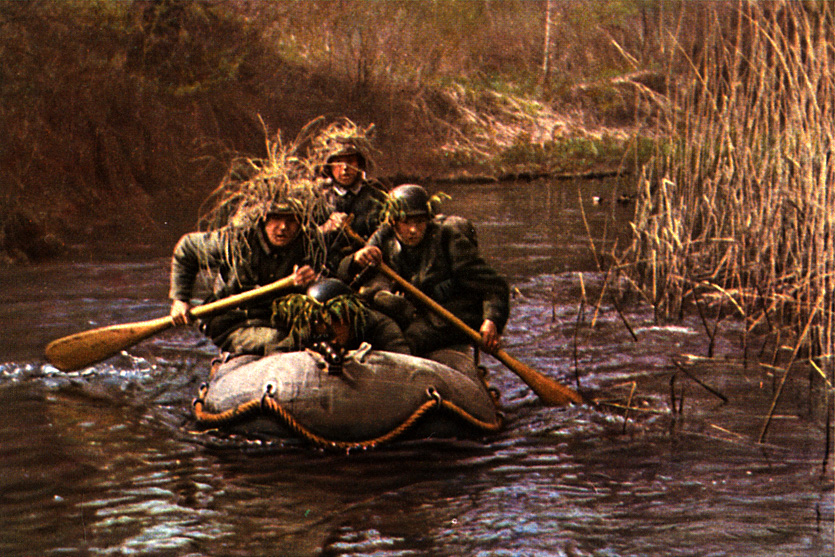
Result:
[[253, 188], [301, 313], [340, 137]]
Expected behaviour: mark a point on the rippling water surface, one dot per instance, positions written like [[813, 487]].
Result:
[[103, 461]]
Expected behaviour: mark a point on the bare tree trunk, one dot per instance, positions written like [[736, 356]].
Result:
[[546, 47]]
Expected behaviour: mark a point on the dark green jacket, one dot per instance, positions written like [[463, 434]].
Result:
[[447, 267]]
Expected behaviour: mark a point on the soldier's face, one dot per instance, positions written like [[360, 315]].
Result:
[[345, 169], [281, 229], [411, 230], [339, 331]]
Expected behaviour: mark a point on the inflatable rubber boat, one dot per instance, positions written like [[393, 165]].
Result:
[[360, 399]]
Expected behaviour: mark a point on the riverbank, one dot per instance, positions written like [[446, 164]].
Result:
[[126, 116], [503, 147]]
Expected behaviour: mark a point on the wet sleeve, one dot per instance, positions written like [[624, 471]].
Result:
[[191, 252], [471, 272]]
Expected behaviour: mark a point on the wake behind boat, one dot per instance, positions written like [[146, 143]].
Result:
[[363, 400]]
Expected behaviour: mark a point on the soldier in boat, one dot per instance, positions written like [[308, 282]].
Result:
[[439, 255], [241, 258], [347, 190], [329, 312]]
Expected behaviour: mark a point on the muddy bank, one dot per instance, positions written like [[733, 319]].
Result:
[[120, 121]]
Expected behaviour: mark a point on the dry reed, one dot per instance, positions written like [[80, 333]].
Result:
[[736, 211], [289, 174]]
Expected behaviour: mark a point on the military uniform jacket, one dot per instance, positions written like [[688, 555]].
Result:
[[447, 267], [240, 259], [366, 206]]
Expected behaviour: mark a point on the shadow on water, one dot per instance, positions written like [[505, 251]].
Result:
[[104, 462]]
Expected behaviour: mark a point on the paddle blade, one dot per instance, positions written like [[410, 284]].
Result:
[[550, 391], [88, 347]]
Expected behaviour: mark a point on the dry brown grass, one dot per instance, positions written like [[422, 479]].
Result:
[[736, 212]]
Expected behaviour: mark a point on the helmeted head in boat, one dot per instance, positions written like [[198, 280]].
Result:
[[282, 221], [411, 200], [328, 308], [408, 209], [346, 164], [341, 151]]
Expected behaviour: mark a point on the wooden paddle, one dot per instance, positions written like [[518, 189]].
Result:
[[551, 392], [88, 347]]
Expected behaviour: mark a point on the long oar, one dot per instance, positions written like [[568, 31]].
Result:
[[550, 391], [88, 347]]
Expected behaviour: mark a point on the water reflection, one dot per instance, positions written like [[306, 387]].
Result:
[[102, 461], [531, 228]]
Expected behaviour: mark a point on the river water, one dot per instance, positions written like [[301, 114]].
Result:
[[103, 461]]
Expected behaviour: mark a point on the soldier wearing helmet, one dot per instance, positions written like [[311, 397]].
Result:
[[240, 258], [329, 312], [439, 255], [347, 190]]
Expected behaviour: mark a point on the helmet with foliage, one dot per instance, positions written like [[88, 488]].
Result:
[[324, 303], [280, 183], [327, 289], [345, 148], [287, 205], [338, 139], [410, 200]]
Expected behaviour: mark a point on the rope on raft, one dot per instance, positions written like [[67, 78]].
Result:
[[269, 406]]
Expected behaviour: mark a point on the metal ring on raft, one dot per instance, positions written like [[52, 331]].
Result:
[[432, 393], [269, 392]]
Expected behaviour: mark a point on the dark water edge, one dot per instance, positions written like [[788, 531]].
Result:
[[104, 462]]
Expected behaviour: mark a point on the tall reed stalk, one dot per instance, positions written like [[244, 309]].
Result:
[[737, 205]]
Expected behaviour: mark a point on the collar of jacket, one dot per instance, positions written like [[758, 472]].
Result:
[[342, 192]]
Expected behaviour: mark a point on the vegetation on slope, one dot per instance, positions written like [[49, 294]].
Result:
[[119, 117]]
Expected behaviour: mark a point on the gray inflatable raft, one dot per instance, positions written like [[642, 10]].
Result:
[[366, 399]]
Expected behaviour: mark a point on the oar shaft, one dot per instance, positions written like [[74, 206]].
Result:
[[231, 302], [88, 347], [547, 389], [550, 391]]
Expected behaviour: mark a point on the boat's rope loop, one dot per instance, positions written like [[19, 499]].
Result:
[[466, 416], [270, 406]]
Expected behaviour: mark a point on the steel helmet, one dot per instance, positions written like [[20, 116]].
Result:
[[344, 148], [287, 206], [327, 289], [410, 200]]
